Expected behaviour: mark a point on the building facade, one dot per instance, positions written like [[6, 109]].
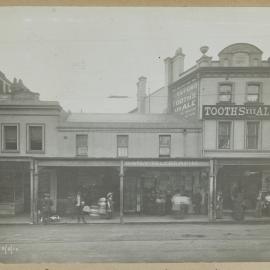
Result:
[[206, 131], [231, 97]]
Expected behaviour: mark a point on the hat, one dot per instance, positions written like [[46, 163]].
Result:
[[109, 194]]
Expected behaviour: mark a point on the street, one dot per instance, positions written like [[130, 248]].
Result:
[[88, 243]]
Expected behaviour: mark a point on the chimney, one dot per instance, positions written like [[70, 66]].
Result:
[[141, 94], [177, 64], [174, 66]]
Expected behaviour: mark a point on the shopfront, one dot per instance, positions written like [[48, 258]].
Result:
[[150, 185], [250, 177], [63, 179], [14, 188]]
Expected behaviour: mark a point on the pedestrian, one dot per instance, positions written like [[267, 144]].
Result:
[[79, 204], [259, 205], [197, 200], [45, 208], [109, 205], [219, 205], [239, 207]]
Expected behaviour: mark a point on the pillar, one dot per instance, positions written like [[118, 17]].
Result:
[[121, 191], [53, 189], [34, 191], [212, 192]]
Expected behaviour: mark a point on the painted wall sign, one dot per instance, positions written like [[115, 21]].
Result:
[[166, 163], [236, 111], [184, 99]]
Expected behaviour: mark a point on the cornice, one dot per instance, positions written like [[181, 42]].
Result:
[[214, 72]]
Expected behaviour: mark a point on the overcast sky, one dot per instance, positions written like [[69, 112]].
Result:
[[80, 56]]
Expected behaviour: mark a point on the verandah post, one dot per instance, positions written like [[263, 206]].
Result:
[[35, 193], [212, 192], [121, 191]]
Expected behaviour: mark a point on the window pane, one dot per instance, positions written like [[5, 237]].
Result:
[[253, 88], [252, 135], [225, 97], [35, 137], [253, 97], [164, 145], [122, 152], [164, 151], [82, 144], [224, 135], [165, 140], [253, 92], [225, 92], [122, 141], [227, 88], [10, 136]]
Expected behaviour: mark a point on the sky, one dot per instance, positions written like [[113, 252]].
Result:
[[80, 56]]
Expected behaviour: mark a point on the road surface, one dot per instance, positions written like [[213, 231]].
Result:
[[88, 243]]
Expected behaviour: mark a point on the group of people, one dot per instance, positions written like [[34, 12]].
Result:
[[105, 204], [45, 213], [181, 203], [263, 204]]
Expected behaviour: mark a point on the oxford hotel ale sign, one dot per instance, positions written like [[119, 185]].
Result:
[[184, 99], [236, 111]]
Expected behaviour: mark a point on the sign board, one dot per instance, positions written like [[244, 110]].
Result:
[[166, 163], [236, 112], [184, 99]]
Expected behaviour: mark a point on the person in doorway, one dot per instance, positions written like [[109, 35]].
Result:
[[219, 205], [168, 202], [79, 204], [239, 207], [45, 208], [259, 205], [197, 200]]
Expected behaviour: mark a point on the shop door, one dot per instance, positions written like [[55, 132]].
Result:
[[130, 195]]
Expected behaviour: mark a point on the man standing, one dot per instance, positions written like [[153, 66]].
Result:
[[45, 208], [79, 204]]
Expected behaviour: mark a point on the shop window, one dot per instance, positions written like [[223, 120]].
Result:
[[225, 92], [253, 92], [122, 145], [35, 138], [224, 135], [164, 145], [10, 137], [82, 144], [252, 134]]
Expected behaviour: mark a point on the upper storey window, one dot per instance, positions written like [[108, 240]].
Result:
[[82, 144], [225, 92], [122, 145], [35, 138], [10, 137], [253, 92], [164, 145]]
